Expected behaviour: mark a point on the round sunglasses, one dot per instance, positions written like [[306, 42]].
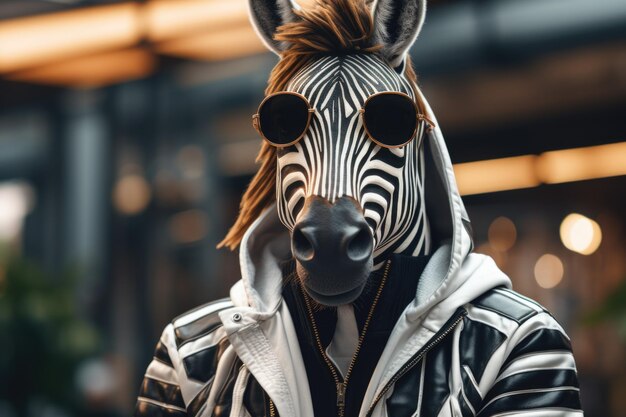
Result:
[[391, 119]]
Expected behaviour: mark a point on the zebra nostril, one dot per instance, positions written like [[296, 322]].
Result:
[[360, 245], [302, 245]]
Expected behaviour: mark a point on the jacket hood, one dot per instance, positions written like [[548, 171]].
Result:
[[266, 244]]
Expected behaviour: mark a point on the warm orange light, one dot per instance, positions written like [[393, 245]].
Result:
[[549, 271], [502, 234], [221, 45], [93, 71], [33, 41], [168, 19], [580, 234], [550, 167], [582, 163], [131, 194], [496, 175]]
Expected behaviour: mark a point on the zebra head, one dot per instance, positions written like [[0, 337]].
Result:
[[348, 201]]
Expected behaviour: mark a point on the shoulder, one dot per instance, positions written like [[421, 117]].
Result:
[[187, 357], [512, 345], [504, 319], [508, 304], [505, 330], [196, 340], [502, 326], [198, 322], [513, 316]]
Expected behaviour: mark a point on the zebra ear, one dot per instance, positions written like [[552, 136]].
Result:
[[267, 15], [397, 23]]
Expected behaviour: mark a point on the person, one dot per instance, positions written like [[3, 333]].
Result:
[[359, 292]]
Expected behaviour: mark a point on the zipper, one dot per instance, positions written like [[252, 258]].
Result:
[[342, 385], [272, 408], [441, 334]]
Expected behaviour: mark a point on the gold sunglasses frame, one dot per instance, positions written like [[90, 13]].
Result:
[[256, 123], [256, 120], [420, 117]]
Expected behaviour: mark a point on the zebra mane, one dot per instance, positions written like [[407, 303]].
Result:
[[328, 27]]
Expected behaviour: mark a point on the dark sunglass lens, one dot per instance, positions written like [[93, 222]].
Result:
[[390, 119], [283, 118]]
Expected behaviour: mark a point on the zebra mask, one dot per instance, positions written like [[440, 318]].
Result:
[[348, 202]]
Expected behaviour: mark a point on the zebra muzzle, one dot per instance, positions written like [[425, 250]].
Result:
[[332, 244]]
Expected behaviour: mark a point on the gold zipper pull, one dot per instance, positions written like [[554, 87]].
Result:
[[272, 408], [341, 394]]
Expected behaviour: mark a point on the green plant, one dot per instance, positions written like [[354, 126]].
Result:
[[43, 337], [613, 309]]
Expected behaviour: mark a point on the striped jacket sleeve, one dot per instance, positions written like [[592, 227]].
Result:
[[192, 353], [160, 393], [538, 376]]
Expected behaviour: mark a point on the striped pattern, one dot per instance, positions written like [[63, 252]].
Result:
[[187, 358], [508, 357], [336, 158], [511, 359]]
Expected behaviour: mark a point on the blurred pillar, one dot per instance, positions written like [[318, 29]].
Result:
[[86, 157]]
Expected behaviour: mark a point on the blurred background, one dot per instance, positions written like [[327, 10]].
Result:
[[126, 143]]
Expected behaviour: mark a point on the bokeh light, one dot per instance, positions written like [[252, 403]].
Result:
[[16, 201], [549, 271], [96, 379], [580, 234], [188, 226], [502, 234], [131, 194]]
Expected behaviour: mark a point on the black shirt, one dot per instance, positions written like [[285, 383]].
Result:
[[398, 292]]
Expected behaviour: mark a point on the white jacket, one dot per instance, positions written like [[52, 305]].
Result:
[[467, 345]]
